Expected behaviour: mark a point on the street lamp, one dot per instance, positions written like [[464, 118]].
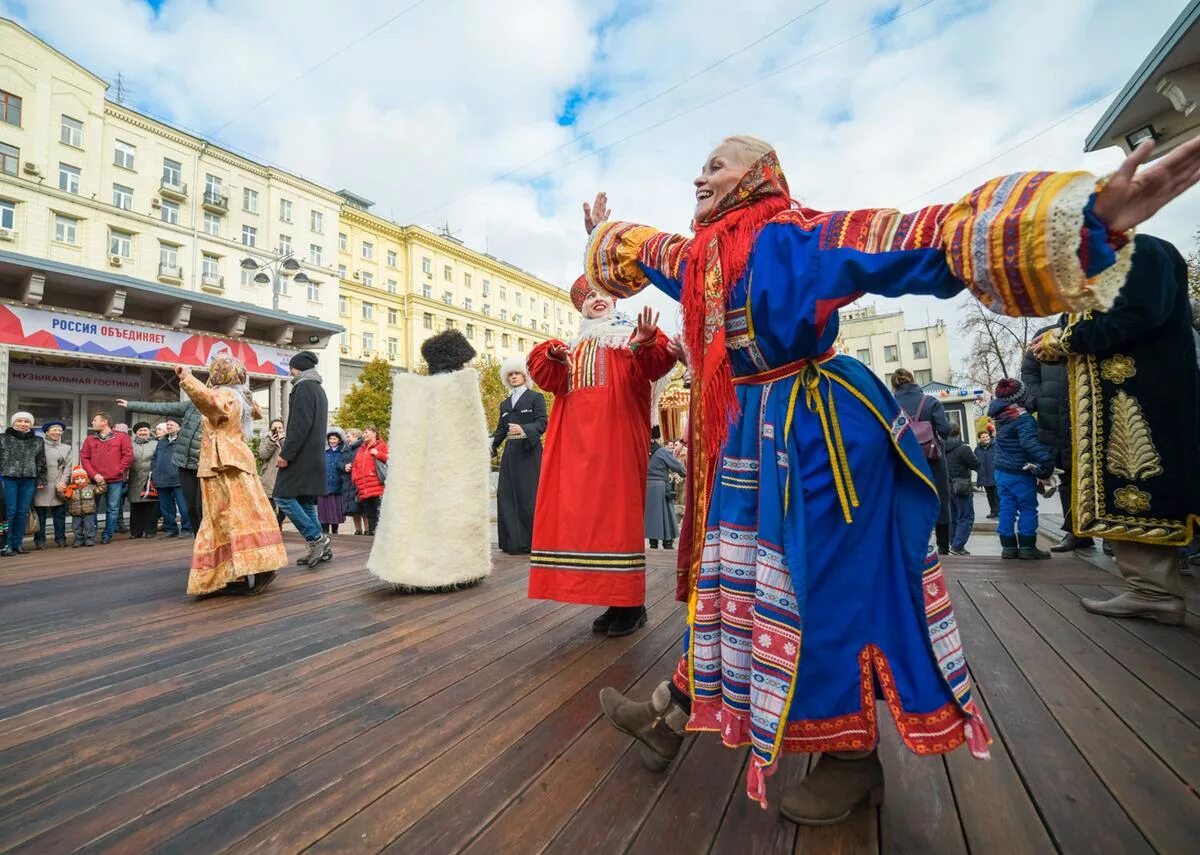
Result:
[[269, 272]]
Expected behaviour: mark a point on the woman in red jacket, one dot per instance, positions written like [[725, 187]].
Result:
[[365, 473]]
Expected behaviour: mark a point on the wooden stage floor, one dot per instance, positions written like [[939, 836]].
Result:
[[330, 715]]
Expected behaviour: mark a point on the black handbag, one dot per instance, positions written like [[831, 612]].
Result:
[[961, 486]]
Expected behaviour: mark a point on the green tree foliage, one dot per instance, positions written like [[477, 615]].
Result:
[[369, 400]]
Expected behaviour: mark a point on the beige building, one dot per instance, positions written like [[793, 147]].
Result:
[[402, 284], [121, 247], [883, 343]]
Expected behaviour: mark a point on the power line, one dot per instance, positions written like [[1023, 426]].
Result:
[[721, 97], [320, 64], [1011, 149], [580, 137]]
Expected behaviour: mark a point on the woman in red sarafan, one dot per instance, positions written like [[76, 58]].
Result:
[[588, 526]]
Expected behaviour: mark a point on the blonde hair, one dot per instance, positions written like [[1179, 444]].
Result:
[[752, 148]]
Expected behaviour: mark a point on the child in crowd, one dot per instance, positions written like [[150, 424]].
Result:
[[81, 495], [1021, 461]]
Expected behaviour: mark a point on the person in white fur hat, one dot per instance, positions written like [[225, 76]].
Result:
[[433, 532], [522, 422]]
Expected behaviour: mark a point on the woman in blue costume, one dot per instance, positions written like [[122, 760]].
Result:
[[805, 557]]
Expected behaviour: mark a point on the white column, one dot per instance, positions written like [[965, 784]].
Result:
[[4, 384]]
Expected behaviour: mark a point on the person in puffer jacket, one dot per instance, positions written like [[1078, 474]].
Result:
[[23, 467], [1021, 459]]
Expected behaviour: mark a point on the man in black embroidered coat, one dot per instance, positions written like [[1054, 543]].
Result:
[[522, 423], [1135, 425]]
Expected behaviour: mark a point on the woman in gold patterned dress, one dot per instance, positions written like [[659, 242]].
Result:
[[238, 545]]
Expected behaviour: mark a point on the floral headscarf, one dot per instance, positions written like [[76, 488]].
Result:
[[226, 371]]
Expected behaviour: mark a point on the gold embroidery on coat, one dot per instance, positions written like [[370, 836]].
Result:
[[1131, 451], [1130, 498], [1118, 368]]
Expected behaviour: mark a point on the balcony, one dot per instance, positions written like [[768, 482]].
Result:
[[170, 272], [216, 202], [212, 282], [172, 189]]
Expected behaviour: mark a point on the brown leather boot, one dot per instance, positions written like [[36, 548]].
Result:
[[658, 724], [1130, 604], [834, 789]]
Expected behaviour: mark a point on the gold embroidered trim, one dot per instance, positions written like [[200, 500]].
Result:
[[1130, 498], [1131, 451], [1118, 368]]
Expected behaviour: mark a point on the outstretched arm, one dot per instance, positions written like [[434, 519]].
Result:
[[549, 366]]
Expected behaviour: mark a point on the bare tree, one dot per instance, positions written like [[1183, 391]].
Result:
[[1193, 267], [997, 343]]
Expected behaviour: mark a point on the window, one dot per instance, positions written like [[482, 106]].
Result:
[[170, 212], [521, 345], [447, 298], [545, 310], [8, 215], [342, 244], [890, 353], [488, 337], [393, 348], [68, 178], [120, 243], [341, 271], [314, 254], [285, 245], [368, 278], [487, 310], [368, 311], [368, 250], [343, 305], [467, 303], [427, 321], [517, 297], [9, 156], [172, 173], [864, 356], [72, 132], [317, 221], [212, 224], [533, 324], [448, 273], [123, 197], [517, 318], [467, 279], [393, 316], [920, 350], [487, 288], [210, 267], [66, 229], [427, 291], [504, 314], [470, 332], [503, 293], [450, 323], [249, 236], [285, 210], [922, 376], [10, 108], [368, 342], [123, 154], [427, 266], [249, 200], [247, 279], [392, 286], [391, 258], [314, 292], [168, 258], [212, 187]]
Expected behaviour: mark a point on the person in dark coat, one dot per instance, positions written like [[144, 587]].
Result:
[[1021, 460], [960, 463], [985, 453], [660, 513], [301, 461], [522, 422], [1135, 405], [330, 511], [1049, 400], [164, 470], [351, 506], [186, 451], [921, 407], [23, 467]]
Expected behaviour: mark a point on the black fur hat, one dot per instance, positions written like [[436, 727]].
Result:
[[447, 351]]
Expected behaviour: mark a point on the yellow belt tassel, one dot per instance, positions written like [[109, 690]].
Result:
[[839, 462]]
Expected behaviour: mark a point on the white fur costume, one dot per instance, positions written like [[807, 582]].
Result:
[[434, 531]]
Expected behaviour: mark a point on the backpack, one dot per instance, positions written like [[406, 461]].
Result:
[[923, 431]]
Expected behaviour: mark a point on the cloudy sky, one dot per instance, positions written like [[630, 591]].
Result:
[[499, 118]]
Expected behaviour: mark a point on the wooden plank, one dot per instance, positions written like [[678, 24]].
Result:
[[1079, 812], [1179, 644], [1143, 785], [858, 835], [918, 813], [747, 829]]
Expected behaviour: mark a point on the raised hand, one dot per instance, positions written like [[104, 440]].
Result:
[[1131, 197], [558, 352], [596, 213], [675, 348], [647, 326]]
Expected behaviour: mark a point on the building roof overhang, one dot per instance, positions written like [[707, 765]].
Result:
[[58, 285], [1163, 93]]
